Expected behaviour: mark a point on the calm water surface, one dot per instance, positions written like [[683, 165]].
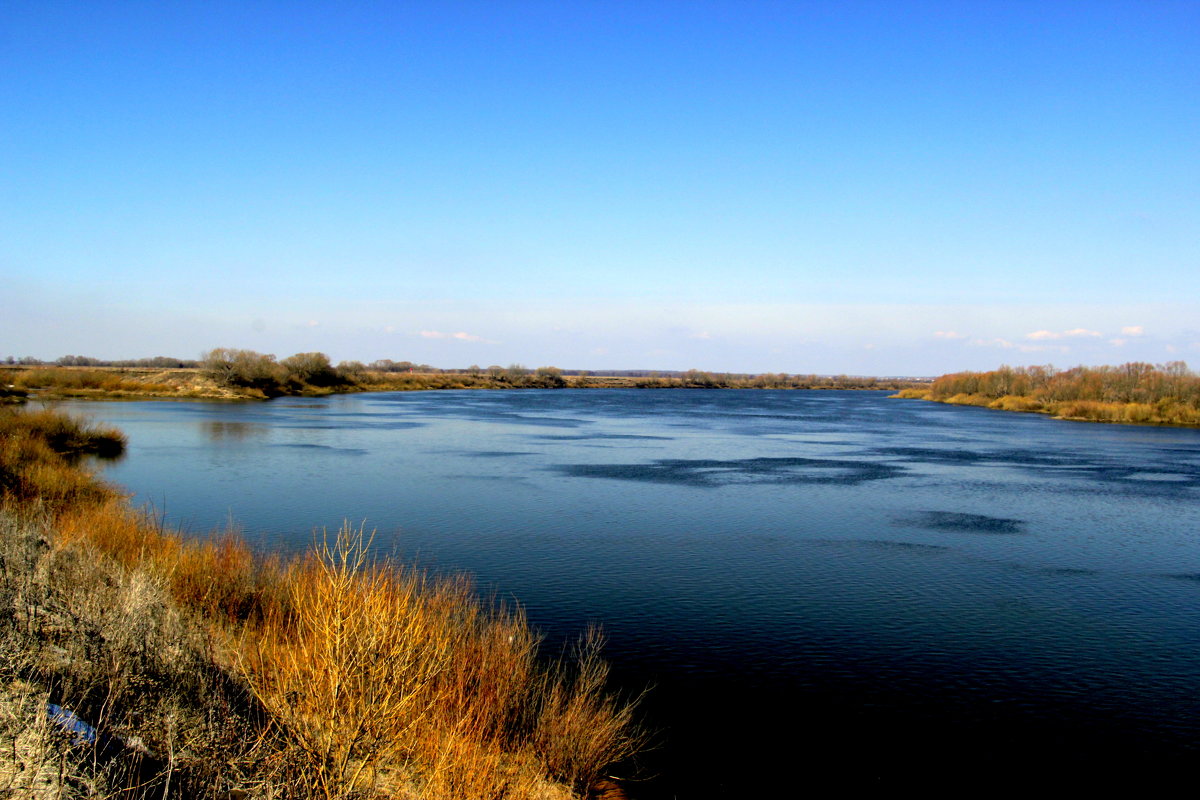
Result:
[[824, 587]]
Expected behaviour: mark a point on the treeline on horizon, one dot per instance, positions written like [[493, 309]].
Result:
[[1136, 392], [255, 374]]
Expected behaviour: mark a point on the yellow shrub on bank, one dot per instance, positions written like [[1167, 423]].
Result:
[[964, 399], [912, 394], [1011, 402]]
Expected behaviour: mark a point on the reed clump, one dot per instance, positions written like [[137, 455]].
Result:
[[39, 453], [66, 435], [200, 667]]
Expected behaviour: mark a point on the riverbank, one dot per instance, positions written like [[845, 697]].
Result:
[[138, 661], [1135, 394], [114, 383], [18, 383]]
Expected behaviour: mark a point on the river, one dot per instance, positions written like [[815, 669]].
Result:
[[822, 588]]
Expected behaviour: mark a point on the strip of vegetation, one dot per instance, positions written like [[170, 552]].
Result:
[[67, 382], [137, 662], [1135, 393], [226, 373]]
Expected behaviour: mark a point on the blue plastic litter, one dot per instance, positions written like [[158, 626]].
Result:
[[66, 720]]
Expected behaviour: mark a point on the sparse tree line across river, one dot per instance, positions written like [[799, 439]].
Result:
[[248, 373], [1136, 392]]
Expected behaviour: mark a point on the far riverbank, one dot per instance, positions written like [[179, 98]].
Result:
[[1133, 394], [134, 383]]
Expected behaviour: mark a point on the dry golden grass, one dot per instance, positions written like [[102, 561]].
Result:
[[333, 675], [580, 726], [109, 644], [83, 382], [911, 394], [64, 434], [964, 399], [1012, 402], [348, 673], [218, 578], [104, 383], [38, 455], [1161, 413], [381, 674]]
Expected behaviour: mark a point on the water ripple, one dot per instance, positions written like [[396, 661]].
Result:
[[958, 521], [710, 473]]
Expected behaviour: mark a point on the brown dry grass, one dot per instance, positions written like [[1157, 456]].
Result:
[[380, 673], [71, 381], [911, 394], [106, 383], [965, 399], [333, 675], [1164, 412], [580, 726], [38, 455], [1012, 402]]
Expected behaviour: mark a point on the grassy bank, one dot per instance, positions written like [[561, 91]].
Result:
[[266, 379], [195, 668], [1134, 393], [111, 383]]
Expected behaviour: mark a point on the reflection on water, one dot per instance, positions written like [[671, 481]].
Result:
[[218, 430], [830, 585]]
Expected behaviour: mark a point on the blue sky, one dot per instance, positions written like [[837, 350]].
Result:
[[863, 187]]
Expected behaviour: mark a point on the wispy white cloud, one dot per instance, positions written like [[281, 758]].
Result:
[[1071, 334], [701, 335], [1019, 346], [948, 335], [1133, 330], [461, 336], [1117, 342]]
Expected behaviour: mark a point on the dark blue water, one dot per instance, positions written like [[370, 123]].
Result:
[[825, 588]]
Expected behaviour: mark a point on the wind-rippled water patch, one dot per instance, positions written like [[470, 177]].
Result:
[[710, 473], [958, 521]]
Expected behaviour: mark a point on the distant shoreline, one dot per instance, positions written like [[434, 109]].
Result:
[[1084, 411], [1152, 396], [18, 382]]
